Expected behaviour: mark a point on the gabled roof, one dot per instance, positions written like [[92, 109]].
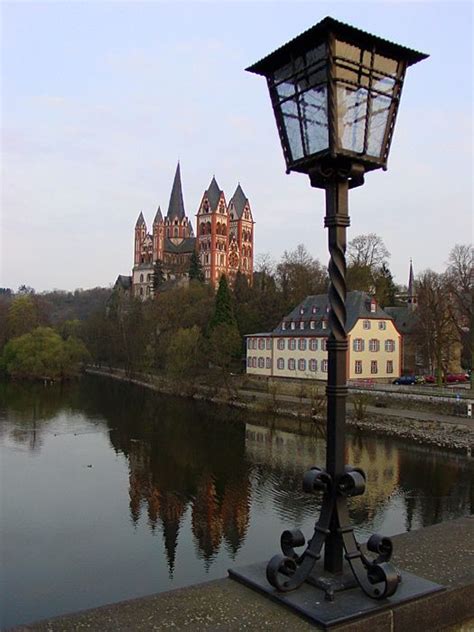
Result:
[[213, 194], [404, 317], [238, 201], [140, 220], [158, 216], [123, 282], [186, 246], [316, 308], [176, 205]]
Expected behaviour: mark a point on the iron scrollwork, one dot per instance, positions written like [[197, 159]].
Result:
[[377, 577]]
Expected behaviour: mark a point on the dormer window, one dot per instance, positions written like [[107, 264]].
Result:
[[314, 309], [324, 324], [312, 324], [301, 324], [292, 325], [283, 325], [373, 306], [301, 310]]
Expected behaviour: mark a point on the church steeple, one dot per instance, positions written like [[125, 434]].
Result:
[[176, 205], [411, 299], [140, 220]]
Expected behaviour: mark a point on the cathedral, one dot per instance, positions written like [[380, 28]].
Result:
[[223, 242]]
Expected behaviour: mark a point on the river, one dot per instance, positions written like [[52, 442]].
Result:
[[110, 491]]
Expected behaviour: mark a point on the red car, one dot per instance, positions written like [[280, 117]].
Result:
[[456, 377]]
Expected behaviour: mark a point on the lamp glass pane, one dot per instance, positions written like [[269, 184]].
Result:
[[300, 93], [291, 122], [378, 122], [351, 117]]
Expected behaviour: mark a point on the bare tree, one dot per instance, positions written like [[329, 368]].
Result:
[[460, 277], [299, 275], [437, 335], [367, 251]]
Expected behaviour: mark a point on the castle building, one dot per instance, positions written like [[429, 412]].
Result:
[[224, 242]]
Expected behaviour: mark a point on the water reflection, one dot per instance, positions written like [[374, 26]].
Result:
[[177, 491]]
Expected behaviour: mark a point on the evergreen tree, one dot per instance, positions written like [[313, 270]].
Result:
[[195, 268], [158, 275], [223, 312]]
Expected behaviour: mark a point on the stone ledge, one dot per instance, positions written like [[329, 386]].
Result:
[[442, 553]]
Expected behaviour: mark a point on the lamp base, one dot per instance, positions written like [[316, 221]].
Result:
[[321, 606]]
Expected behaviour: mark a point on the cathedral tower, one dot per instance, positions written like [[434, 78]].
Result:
[[158, 236], [213, 233], [241, 235]]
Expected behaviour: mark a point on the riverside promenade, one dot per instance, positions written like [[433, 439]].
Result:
[[443, 553]]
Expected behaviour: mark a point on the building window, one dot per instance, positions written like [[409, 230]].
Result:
[[261, 363], [373, 306], [148, 290], [268, 363], [374, 345], [313, 344], [313, 365], [141, 278], [366, 324], [389, 366], [280, 364], [324, 324], [314, 309], [281, 344], [382, 324], [254, 362], [390, 345], [324, 344], [291, 364], [291, 344], [301, 325], [249, 343], [141, 291], [324, 366], [312, 324], [268, 343], [148, 277], [283, 325], [358, 367], [301, 364], [358, 344], [292, 325], [301, 310], [261, 343], [254, 343], [373, 367], [302, 344], [249, 361]]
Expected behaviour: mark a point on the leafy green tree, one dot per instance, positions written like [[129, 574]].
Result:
[[184, 353], [158, 275], [195, 268], [23, 315], [43, 354]]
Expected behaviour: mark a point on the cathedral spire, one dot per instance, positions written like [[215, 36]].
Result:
[[140, 220], [213, 194], [411, 286], [239, 200], [158, 216], [176, 205]]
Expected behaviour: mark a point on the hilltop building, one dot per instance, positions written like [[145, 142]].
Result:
[[224, 241], [297, 346]]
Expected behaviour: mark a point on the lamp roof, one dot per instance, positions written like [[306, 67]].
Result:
[[318, 33]]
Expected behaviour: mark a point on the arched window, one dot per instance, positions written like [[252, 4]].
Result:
[[176, 232], [141, 278], [141, 291]]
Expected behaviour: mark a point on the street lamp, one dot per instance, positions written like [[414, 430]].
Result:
[[335, 92]]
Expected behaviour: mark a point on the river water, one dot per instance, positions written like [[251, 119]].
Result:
[[110, 491]]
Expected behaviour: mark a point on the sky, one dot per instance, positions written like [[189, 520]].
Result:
[[99, 101]]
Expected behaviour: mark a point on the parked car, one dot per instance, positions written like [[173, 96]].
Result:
[[405, 379], [430, 379], [455, 378]]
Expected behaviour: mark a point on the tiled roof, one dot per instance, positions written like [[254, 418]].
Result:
[[123, 281], [316, 308]]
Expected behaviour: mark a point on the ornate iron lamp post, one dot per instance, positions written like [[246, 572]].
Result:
[[335, 92]]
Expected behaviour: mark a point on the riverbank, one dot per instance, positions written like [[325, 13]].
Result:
[[428, 428]]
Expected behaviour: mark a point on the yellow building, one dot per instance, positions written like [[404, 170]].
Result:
[[297, 346]]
